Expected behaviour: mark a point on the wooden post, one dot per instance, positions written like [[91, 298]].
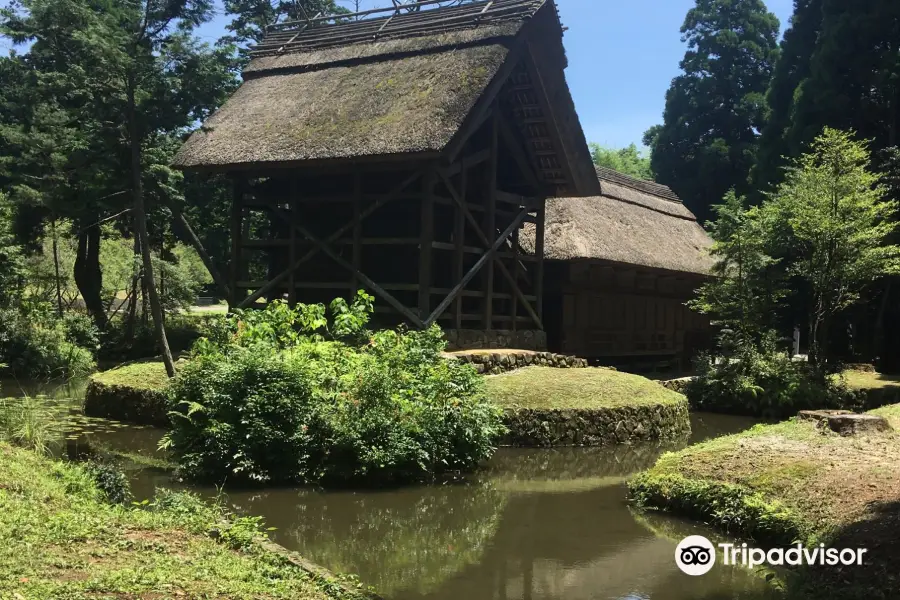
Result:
[[292, 258], [357, 231], [237, 215], [490, 226], [515, 273], [459, 241], [426, 240], [539, 257]]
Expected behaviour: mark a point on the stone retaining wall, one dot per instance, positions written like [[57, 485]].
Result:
[[508, 360], [597, 427], [126, 403], [477, 339]]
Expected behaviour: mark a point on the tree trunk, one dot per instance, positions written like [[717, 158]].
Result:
[[131, 311], [59, 302], [140, 218], [88, 276]]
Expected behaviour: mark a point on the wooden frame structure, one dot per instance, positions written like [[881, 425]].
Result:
[[434, 234]]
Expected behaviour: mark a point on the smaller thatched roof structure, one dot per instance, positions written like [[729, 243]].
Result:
[[633, 222]]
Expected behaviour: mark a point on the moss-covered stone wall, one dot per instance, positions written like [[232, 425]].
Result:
[[132, 394], [596, 427], [502, 361]]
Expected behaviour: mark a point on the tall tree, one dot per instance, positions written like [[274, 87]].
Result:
[[628, 160], [834, 221], [137, 74], [791, 68], [854, 75], [716, 108], [251, 17]]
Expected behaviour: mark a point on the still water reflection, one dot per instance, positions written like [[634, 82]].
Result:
[[535, 524]]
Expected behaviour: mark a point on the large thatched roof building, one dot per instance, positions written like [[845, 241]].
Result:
[[621, 265], [402, 152]]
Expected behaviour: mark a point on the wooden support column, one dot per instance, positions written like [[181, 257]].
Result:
[[539, 257], [237, 215], [426, 240], [357, 232], [459, 241], [515, 274], [292, 252], [490, 225]]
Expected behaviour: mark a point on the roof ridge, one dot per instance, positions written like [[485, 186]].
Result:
[[649, 187], [317, 33]]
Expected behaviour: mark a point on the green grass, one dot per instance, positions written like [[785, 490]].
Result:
[[793, 481], [145, 375], [860, 380], [59, 539], [591, 388]]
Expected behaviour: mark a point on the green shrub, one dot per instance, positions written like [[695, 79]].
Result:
[[111, 481], [36, 346], [82, 331], [182, 330], [752, 377], [275, 404]]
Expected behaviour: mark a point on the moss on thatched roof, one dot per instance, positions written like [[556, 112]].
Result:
[[315, 95], [627, 224]]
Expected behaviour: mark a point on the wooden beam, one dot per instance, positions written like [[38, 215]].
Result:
[[426, 232], [326, 249], [332, 238], [487, 243], [204, 255], [539, 255], [357, 231], [490, 224], [237, 214], [292, 248], [543, 97], [459, 240], [515, 269], [486, 257], [515, 148]]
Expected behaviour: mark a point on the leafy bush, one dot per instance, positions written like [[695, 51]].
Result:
[[753, 377], [82, 331], [276, 402], [36, 346], [111, 481], [182, 330]]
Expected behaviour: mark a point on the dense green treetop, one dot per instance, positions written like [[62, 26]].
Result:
[[715, 108], [628, 160]]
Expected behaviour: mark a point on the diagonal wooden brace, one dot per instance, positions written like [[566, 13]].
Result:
[[326, 249], [487, 244], [477, 266], [275, 281]]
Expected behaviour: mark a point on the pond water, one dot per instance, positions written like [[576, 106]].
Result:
[[534, 524]]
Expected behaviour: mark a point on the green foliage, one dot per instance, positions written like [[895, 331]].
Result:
[[272, 400], [833, 222], [838, 68], [629, 160], [112, 482], [752, 376], [28, 422], [12, 268], [34, 344], [707, 142], [747, 288]]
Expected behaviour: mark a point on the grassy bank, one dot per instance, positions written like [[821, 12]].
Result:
[[790, 481], [60, 539], [133, 393], [592, 388], [546, 406]]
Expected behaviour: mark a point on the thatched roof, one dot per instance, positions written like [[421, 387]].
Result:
[[403, 84], [633, 222]]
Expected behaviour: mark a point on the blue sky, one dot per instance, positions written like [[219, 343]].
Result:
[[622, 56]]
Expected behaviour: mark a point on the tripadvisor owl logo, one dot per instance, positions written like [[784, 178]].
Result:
[[695, 555]]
